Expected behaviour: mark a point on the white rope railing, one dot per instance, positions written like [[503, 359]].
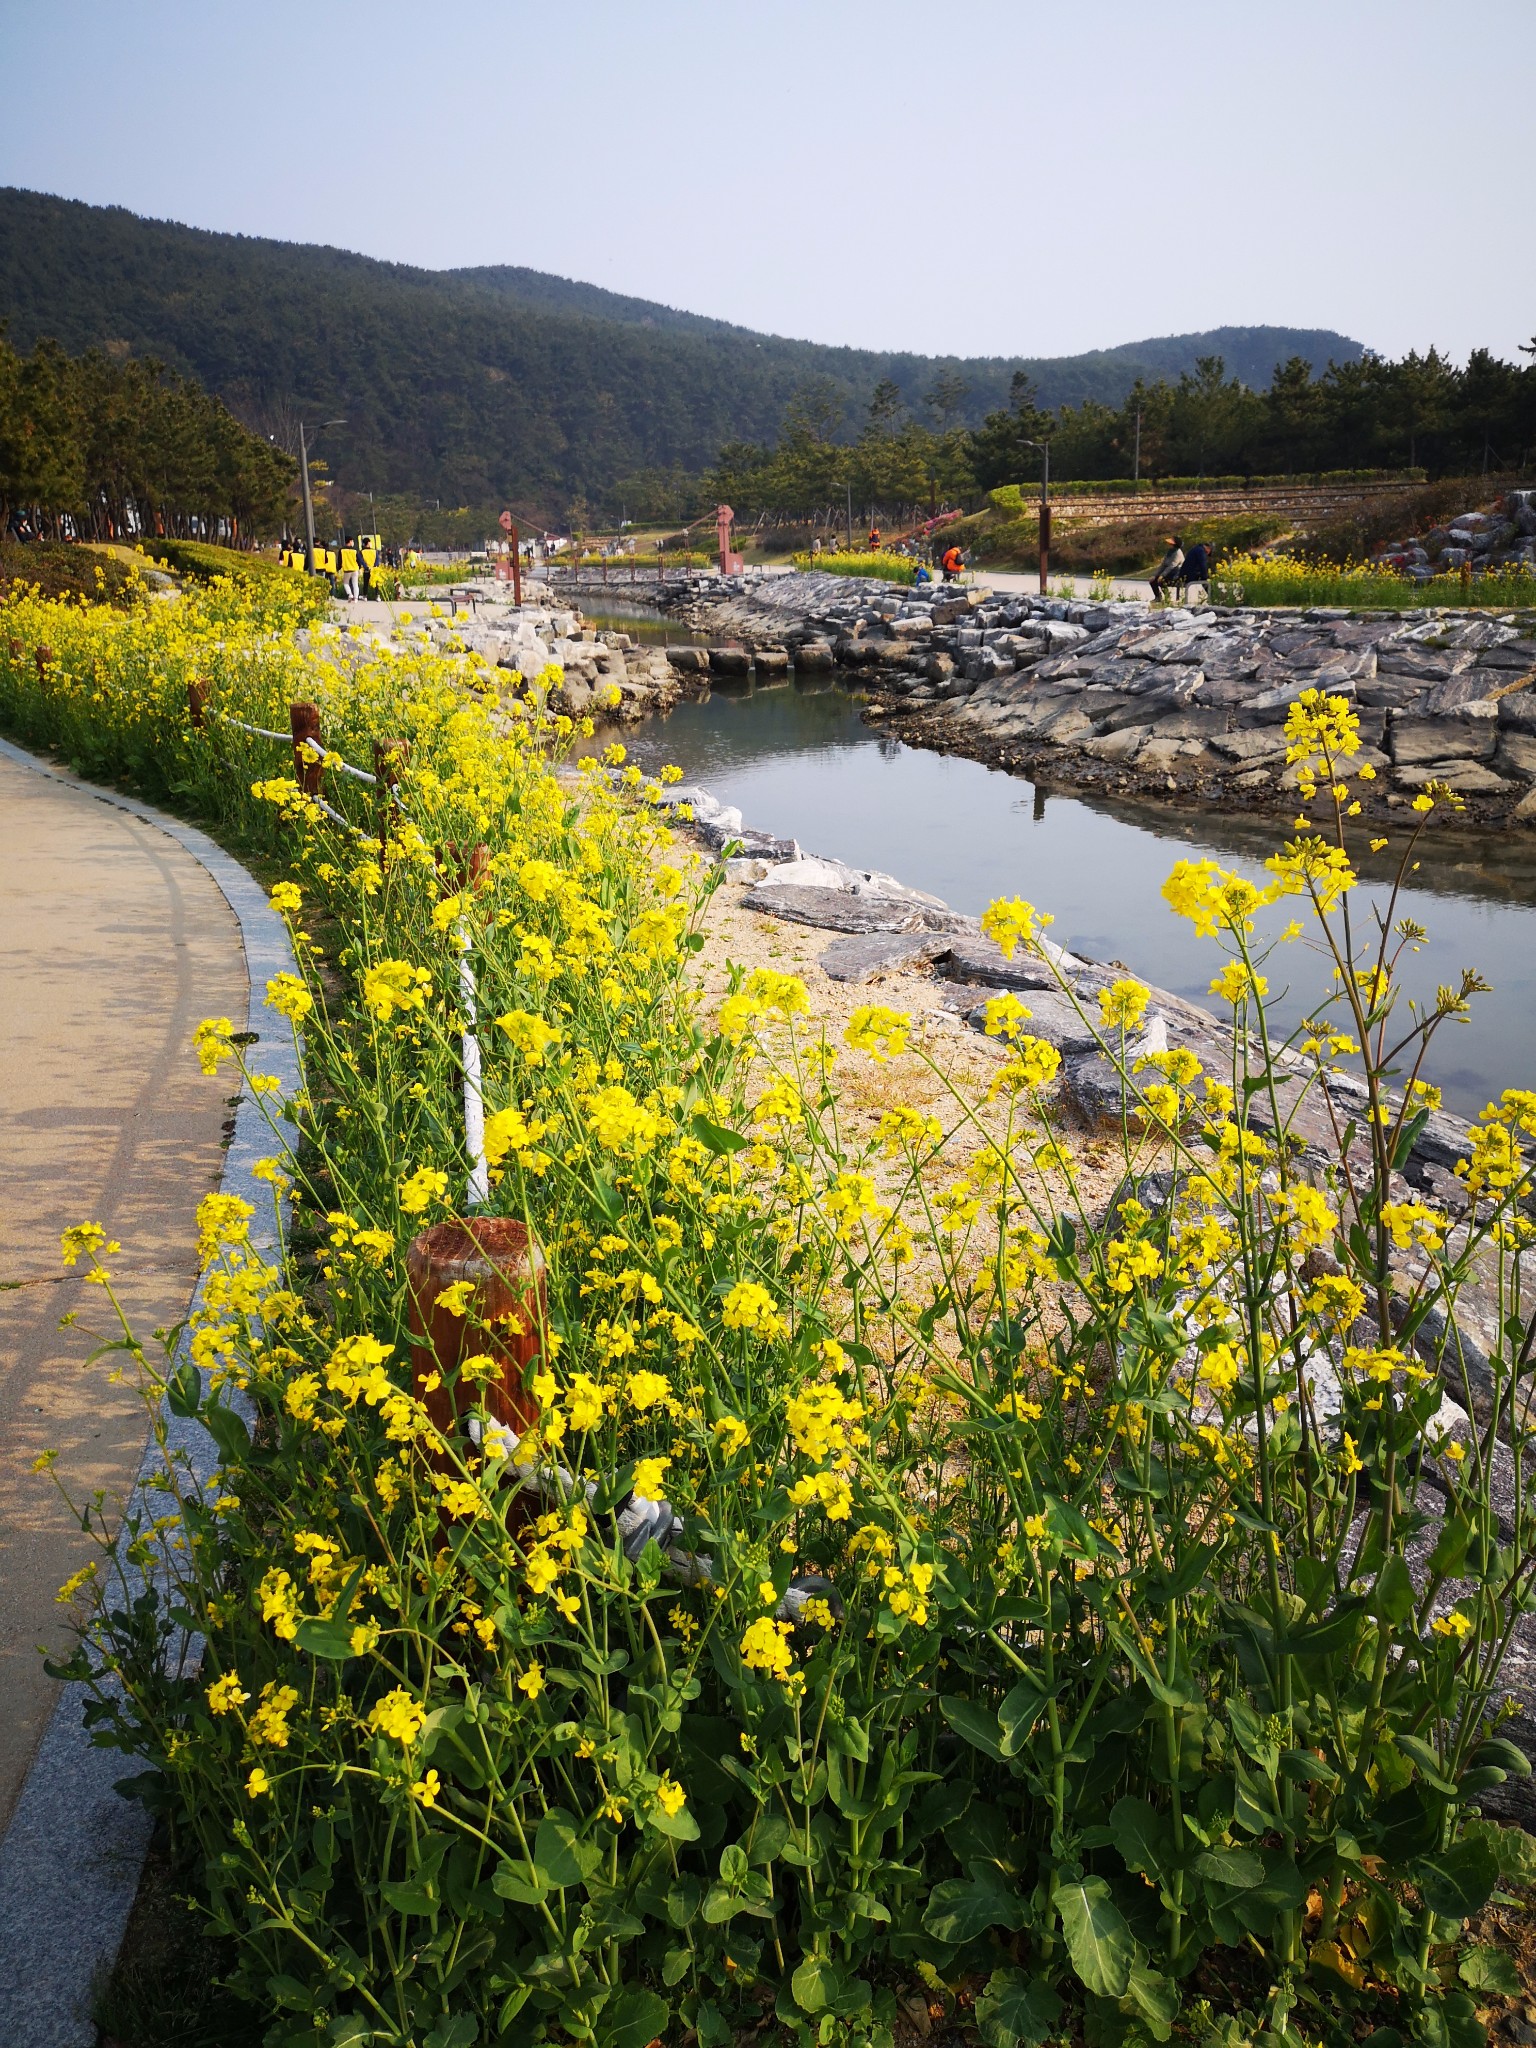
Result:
[[479, 1192]]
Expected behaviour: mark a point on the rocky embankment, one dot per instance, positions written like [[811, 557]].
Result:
[[1501, 538], [603, 673], [1164, 702]]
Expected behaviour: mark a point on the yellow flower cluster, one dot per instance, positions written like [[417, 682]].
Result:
[[1011, 923]]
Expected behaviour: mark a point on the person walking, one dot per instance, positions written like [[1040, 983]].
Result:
[[1167, 570], [1197, 569]]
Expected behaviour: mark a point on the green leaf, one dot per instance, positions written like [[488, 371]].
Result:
[[332, 1638], [680, 1826], [1140, 1835], [1454, 1882], [675, 1965], [1496, 1750], [633, 2020], [1303, 1768], [1394, 1597], [1156, 1999], [1019, 1712], [715, 1137], [289, 1993], [419, 1899], [1016, 2010], [184, 1389], [520, 1882], [1408, 1137], [734, 1863], [770, 1831], [1429, 1765], [1451, 1546], [821, 1985], [1098, 1940], [458, 2030], [963, 1907], [1239, 1867], [1490, 1969], [227, 1431], [560, 1854], [1335, 1632], [978, 1725]]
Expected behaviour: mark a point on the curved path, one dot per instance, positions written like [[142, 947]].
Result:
[[119, 929], [113, 944]]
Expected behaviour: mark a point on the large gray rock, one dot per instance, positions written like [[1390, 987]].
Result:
[[1467, 778], [840, 910], [859, 957], [1053, 1018], [1416, 740]]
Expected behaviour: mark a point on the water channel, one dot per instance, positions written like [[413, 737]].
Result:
[[798, 759]]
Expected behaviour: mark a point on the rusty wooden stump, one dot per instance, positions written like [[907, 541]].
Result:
[[504, 1316], [389, 757], [308, 768]]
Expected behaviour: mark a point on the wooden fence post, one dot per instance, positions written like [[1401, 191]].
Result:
[[504, 1318], [44, 662], [389, 756], [308, 769], [197, 702]]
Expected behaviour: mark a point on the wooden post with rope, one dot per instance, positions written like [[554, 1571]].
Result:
[[308, 767], [389, 756]]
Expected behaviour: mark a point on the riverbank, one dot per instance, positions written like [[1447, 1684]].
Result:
[[1185, 705]]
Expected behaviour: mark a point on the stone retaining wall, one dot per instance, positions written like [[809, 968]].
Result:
[[1163, 701]]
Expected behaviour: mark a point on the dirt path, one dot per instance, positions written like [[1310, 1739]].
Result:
[[113, 944]]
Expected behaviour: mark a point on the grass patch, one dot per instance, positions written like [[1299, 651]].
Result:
[[166, 1989], [202, 562], [63, 569], [1120, 546]]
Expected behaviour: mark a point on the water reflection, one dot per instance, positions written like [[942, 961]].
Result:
[[797, 759]]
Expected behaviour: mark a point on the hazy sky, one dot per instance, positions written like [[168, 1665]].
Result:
[[955, 175]]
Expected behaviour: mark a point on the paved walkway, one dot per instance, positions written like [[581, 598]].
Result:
[[1082, 584], [113, 944]]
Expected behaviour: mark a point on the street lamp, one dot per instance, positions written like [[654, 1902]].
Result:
[[309, 510], [1045, 506]]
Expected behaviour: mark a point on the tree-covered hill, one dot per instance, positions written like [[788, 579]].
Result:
[[502, 384]]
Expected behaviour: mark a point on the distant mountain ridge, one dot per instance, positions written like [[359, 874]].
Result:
[[495, 382]]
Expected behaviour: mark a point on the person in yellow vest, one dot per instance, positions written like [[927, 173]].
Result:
[[349, 570]]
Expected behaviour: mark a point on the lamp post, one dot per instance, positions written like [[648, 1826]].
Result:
[[309, 510], [1045, 507]]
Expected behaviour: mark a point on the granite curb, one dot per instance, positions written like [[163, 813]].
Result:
[[71, 1859]]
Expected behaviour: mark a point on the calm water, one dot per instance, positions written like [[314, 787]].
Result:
[[798, 760]]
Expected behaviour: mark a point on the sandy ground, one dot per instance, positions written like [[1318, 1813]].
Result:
[[964, 1057], [114, 943]]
